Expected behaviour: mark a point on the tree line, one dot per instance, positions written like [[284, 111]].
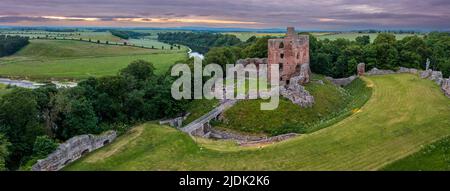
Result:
[[339, 58], [199, 41], [127, 34], [31, 121], [11, 44]]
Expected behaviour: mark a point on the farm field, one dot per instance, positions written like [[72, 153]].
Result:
[[43, 59], [392, 125]]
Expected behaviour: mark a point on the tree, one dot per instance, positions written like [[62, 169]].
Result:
[[19, 122], [385, 38], [43, 146], [4, 152], [413, 52], [73, 114], [363, 40], [257, 49], [223, 56], [140, 70]]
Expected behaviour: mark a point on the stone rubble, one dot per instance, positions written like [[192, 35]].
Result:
[[305, 74], [407, 70], [446, 87], [297, 93], [341, 81], [376, 71]]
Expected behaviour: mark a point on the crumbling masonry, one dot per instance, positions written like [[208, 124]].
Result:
[[290, 53]]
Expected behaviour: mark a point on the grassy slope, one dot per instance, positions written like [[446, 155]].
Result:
[[73, 59], [330, 102], [432, 157], [393, 124]]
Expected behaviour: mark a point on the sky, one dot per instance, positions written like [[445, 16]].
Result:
[[302, 14]]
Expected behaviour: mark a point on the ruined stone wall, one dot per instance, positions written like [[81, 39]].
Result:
[[175, 122], [72, 150], [446, 87], [376, 71], [429, 74], [247, 140], [341, 81], [290, 53]]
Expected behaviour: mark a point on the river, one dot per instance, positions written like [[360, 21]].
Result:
[[195, 54], [34, 85]]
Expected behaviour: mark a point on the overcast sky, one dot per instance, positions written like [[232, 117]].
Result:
[[303, 14]]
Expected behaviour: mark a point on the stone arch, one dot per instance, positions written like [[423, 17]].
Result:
[[67, 162], [85, 152], [105, 142], [281, 45], [282, 55], [298, 68]]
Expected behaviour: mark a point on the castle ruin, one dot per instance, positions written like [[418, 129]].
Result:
[[292, 55]]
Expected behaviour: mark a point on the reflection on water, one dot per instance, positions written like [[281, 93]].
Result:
[[195, 54], [34, 85]]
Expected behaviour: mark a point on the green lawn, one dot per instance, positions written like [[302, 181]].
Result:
[[331, 105], [434, 157], [68, 59], [396, 122]]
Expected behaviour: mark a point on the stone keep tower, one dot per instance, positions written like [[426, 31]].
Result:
[[290, 53]]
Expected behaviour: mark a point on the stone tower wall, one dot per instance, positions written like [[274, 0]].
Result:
[[290, 52]]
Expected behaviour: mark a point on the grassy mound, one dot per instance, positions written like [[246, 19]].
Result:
[[393, 124], [331, 105], [44, 59]]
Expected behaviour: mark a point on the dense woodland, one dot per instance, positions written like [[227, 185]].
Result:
[[199, 42], [31, 120], [339, 58], [11, 44]]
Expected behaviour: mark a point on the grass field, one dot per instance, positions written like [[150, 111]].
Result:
[[331, 104], [43, 59], [94, 36], [393, 124], [433, 157]]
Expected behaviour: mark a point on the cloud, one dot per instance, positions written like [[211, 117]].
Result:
[[303, 14]]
